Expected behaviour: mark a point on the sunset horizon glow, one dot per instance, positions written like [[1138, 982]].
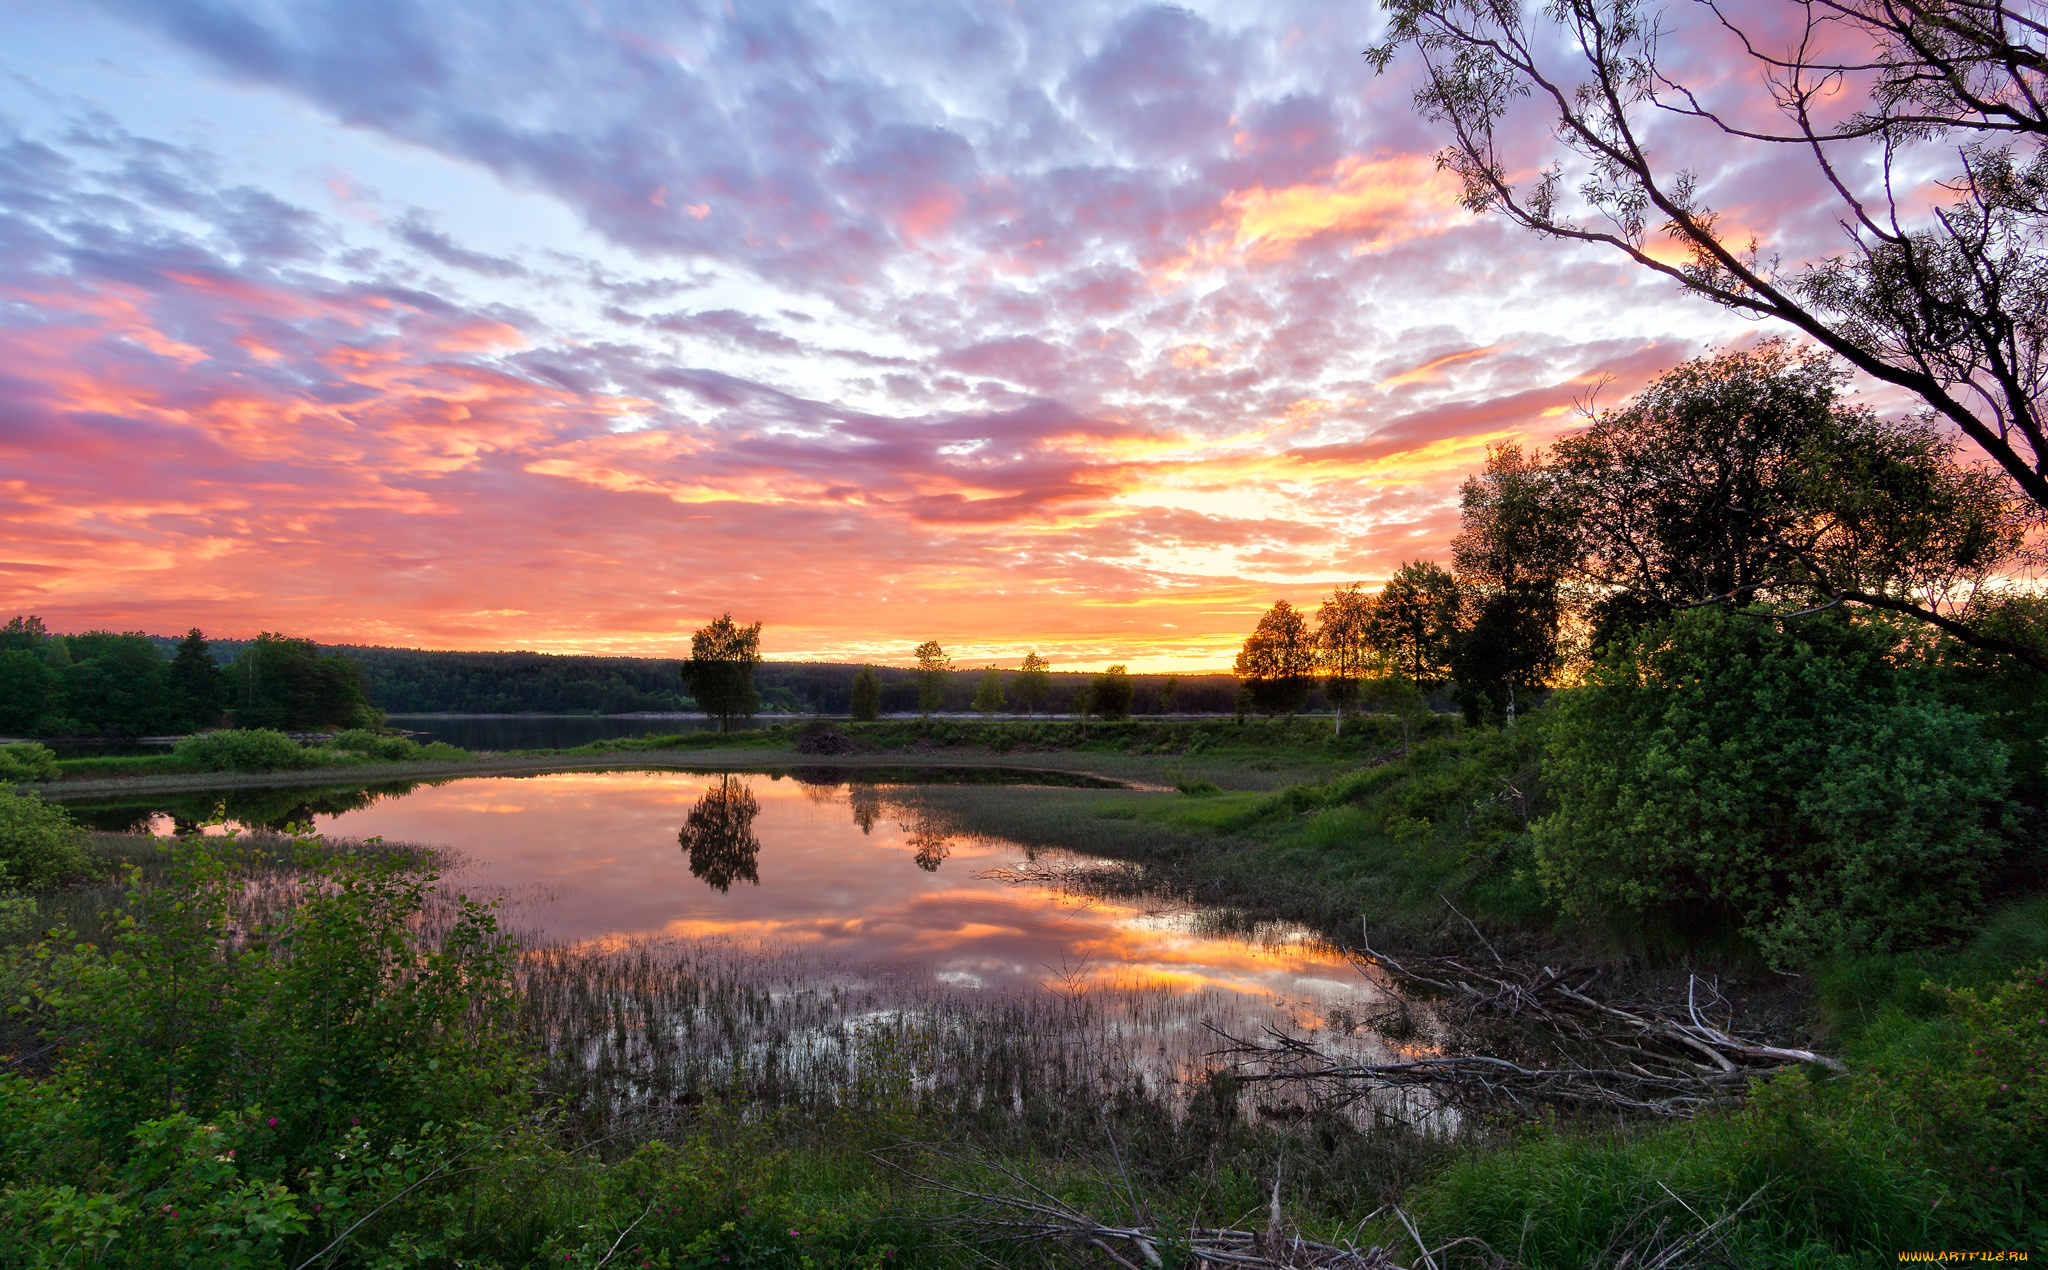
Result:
[[1085, 330]]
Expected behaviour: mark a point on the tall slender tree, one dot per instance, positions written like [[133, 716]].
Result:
[[1512, 556], [197, 684], [933, 665], [720, 671], [1414, 621], [1344, 646], [989, 697], [1034, 681], [867, 695]]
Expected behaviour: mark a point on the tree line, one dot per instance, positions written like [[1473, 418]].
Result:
[[104, 684], [725, 663], [1745, 479], [100, 683]]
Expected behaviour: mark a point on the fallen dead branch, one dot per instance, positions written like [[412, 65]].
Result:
[[1548, 996], [1009, 1208], [1638, 1058], [1477, 1078]]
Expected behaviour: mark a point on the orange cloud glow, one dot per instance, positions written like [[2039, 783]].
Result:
[[1368, 204]]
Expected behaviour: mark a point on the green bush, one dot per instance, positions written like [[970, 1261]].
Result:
[[39, 846], [1784, 777], [1977, 1105], [244, 750], [27, 763], [245, 1078], [376, 745]]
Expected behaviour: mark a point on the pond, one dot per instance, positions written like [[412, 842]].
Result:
[[829, 902], [845, 872]]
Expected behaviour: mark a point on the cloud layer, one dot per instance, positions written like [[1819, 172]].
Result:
[[1093, 328]]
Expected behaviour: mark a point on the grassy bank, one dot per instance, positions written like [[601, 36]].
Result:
[[1256, 754], [677, 1108]]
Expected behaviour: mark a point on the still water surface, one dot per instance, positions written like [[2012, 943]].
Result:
[[843, 873], [852, 902]]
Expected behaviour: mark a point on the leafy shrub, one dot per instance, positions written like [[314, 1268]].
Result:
[[1787, 777], [26, 763], [244, 750], [254, 1068], [395, 749], [376, 745], [1978, 1105], [39, 846]]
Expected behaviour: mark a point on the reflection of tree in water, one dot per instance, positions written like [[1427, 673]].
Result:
[[867, 806], [719, 835], [272, 807], [928, 835]]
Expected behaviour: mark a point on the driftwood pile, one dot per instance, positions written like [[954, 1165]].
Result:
[[1639, 1058]]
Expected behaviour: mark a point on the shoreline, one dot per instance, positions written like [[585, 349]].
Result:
[[546, 764]]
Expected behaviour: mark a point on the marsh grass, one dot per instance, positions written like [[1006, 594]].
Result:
[[644, 1038], [269, 866]]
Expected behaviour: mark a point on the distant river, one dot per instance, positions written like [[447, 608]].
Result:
[[551, 731]]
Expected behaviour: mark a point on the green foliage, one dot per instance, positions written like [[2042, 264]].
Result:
[[1975, 1103], [198, 685], [1787, 778], [1192, 786], [988, 698], [2011, 699], [384, 748], [116, 685], [1278, 661], [244, 750], [285, 683], [1413, 621], [932, 667], [1933, 1140], [31, 694], [865, 704], [1110, 694], [26, 763], [39, 846], [720, 672], [1512, 553], [254, 1067], [1034, 681]]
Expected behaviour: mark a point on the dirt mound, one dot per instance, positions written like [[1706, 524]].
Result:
[[824, 741]]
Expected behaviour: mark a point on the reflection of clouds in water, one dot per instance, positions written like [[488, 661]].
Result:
[[846, 887]]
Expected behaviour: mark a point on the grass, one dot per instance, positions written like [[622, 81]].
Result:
[[1836, 1171], [746, 1092], [1388, 842], [123, 765]]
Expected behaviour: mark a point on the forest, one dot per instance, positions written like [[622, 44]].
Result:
[[100, 684]]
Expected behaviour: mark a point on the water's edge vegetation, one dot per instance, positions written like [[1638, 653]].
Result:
[[177, 1065]]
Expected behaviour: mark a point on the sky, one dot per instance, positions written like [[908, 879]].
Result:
[[1093, 328]]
